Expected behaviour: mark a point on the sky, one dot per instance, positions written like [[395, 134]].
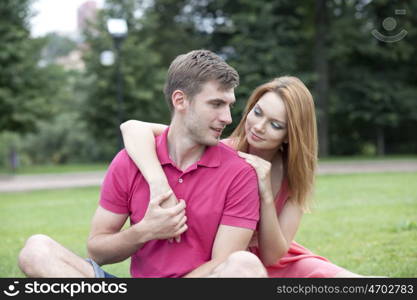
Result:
[[56, 15]]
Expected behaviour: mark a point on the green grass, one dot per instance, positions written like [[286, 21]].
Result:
[[64, 215], [366, 223]]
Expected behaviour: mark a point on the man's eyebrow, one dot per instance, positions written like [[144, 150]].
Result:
[[219, 100]]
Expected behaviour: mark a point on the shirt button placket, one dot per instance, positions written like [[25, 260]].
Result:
[[180, 180]]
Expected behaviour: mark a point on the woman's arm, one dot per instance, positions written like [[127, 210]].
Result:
[[275, 234], [139, 140]]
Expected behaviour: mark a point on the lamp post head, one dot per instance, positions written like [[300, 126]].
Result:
[[117, 28]]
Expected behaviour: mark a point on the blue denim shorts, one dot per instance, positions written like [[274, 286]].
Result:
[[98, 271]]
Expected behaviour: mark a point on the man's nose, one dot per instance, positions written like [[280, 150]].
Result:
[[226, 116]]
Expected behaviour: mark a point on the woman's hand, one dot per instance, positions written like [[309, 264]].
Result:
[[158, 188], [263, 171]]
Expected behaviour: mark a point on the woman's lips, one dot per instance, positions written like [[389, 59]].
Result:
[[256, 137]]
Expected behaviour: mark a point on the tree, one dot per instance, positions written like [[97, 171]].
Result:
[[321, 67], [23, 84], [373, 82]]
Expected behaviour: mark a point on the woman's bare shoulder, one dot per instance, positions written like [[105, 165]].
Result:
[[228, 142]]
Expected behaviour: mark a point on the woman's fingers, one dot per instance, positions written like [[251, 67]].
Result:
[[181, 222], [181, 230]]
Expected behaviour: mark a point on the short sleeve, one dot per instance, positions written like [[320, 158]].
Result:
[[115, 188], [242, 202]]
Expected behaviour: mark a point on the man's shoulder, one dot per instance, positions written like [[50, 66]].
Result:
[[230, 158], [121, 157], [122, 160]]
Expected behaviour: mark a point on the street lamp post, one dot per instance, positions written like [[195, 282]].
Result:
[[118, 30]]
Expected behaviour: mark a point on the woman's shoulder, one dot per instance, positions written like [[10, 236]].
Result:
[[228, 142]]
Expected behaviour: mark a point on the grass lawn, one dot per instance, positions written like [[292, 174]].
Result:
[[366, 223]]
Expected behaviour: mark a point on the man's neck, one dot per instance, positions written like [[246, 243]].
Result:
[[182, 150]]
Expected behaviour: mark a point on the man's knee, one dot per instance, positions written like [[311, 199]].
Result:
[[245, 258], [36, 250], [243, 264]]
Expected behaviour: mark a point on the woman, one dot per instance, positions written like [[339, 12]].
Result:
[[278, 137]]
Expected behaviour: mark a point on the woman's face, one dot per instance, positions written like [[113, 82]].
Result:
[[266, 123]]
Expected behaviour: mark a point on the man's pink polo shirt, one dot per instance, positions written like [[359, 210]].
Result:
[[221, 188]]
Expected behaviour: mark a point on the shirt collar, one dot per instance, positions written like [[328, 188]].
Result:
[[210, 158]]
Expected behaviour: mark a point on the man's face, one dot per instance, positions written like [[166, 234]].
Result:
[[209, 113]]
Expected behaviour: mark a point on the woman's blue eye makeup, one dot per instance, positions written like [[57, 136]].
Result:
[[258, 112], [276, 125]]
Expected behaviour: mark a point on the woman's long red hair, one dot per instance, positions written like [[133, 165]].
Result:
[[300, 154]]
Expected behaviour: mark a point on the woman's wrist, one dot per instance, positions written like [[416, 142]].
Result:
[[156, 176], [267, 197], [158, 184]]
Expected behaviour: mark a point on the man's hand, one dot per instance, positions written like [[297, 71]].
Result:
[[158, 189], [164, 223]]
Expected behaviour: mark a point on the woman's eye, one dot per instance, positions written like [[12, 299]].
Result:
[[276, 125], [257, 111]]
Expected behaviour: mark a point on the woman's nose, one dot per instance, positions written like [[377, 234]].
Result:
[[260, 126]]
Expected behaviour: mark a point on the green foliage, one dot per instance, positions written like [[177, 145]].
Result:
[[23, 84], [372, 85], [56, 46]]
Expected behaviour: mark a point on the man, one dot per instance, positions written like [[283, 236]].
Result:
[[220, 209]]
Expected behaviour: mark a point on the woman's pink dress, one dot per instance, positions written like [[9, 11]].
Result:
[[299, 261]]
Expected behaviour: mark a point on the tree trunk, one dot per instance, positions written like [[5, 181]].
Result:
[[321, 70], [380, 141]]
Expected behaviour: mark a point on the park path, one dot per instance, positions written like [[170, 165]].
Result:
[[19, 183]]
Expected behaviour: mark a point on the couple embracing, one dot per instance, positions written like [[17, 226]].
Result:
[[200, 206]]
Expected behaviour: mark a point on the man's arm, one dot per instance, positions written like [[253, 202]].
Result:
[[228, 239], [107, 244]]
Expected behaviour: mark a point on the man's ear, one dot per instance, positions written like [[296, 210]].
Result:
[[179, 100]]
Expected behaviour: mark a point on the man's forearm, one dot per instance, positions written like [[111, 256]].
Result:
[[115, 247]]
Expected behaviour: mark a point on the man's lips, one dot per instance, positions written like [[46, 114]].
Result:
[[219, 130]]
